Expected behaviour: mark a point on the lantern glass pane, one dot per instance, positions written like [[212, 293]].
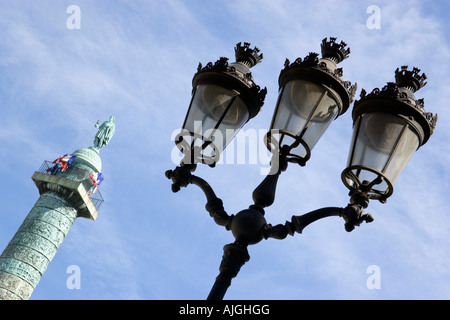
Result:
[[215, 116], [383, 142], [304, 110]]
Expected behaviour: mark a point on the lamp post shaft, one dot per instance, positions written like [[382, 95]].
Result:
[[235, 255]]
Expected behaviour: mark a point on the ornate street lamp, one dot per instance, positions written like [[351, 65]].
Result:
[[224, 98], [312, 94], [389, 125]]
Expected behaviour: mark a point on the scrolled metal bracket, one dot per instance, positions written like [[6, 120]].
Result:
[[250, 227], [353, 216], [182, 176]]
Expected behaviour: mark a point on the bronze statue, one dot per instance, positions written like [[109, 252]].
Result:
[[104, 133]]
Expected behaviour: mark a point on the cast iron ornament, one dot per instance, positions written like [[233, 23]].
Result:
[[402, 90], [327, 74]]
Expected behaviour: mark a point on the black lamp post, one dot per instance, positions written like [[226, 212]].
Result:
[[389, 125]]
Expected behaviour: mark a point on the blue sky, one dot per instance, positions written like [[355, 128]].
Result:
[[135, 60]]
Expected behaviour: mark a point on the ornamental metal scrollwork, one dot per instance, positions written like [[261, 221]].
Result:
[[222, 65], [392, 91]]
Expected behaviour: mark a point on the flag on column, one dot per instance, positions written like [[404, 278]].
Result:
[[61, 164], [96, 179]]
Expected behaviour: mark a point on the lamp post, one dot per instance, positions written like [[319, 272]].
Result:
[[389, 125]]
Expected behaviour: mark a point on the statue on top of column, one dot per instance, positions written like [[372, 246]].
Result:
[[104, 133]]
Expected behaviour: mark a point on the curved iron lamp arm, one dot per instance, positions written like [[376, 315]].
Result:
[[236, 255], [250, 227], [353, 215], [182, 177]]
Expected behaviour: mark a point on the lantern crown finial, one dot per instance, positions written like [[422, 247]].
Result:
[[334, 51], [246, 55], [410, 79]]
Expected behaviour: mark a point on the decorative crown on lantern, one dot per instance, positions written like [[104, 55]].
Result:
[[248, 56], [334, 51], [410, 79]]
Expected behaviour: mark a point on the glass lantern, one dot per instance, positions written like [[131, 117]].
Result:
[[224, 99], [389, 126], [312, 94]]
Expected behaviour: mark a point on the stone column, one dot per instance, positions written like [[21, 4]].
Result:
[[30, 251], [64, 197]]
